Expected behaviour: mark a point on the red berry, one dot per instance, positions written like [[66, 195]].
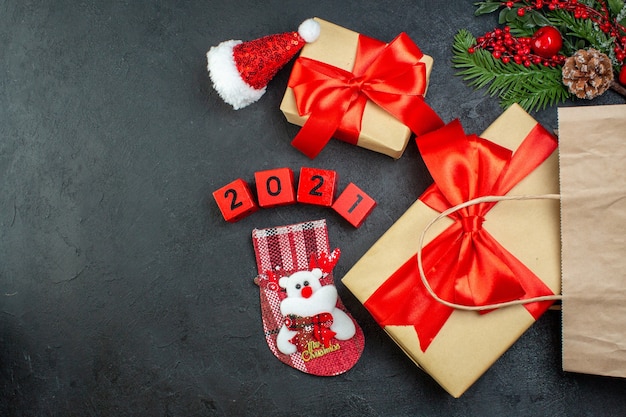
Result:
[[547, 42], [622, 75], [521, 12]]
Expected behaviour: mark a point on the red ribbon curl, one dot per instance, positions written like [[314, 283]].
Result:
[[391, 75], [464, 264]]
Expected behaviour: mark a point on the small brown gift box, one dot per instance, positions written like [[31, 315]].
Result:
[[380, 131], [469, 342]]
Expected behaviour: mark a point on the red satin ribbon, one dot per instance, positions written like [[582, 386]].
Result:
[[464, 264], [390, 75]]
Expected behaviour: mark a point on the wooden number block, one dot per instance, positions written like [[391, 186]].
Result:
[[354, 205], [235, 200], [275, 187], [317, 186]]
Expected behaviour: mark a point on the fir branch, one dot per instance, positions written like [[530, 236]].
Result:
[[534, 87], [583, 32], [538, 96]]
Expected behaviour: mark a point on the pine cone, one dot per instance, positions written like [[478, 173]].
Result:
[[587, 73]]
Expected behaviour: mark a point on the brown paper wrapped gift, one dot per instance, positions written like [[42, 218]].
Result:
[[593, 224], [468, 343], [380, 131]]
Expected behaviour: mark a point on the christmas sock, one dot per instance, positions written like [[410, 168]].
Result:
[[306, 325]]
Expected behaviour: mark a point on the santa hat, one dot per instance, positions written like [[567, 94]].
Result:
[[240, 70]]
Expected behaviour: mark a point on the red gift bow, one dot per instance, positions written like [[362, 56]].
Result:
[[464, 264], [390, 75], [316, 327]]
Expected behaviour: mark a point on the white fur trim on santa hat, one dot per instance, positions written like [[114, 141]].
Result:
[[227, 79], [309, 30]]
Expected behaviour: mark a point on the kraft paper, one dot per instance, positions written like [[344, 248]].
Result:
[[380, 131], [469, 343], [592, 143]]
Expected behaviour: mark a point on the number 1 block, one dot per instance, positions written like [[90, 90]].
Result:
[[275, 187], [354, 205], [235, 200], [317, 186]]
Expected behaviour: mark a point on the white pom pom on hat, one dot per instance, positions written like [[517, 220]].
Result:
[[241, 70], [309, 30]]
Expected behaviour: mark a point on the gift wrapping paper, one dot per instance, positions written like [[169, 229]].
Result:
[[467, 342], [340, 74]]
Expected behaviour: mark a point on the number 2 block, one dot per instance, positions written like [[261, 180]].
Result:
[[354, 205], [317, 186], [275, 187], [235, 200]]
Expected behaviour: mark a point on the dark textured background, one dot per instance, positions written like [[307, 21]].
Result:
[[122, 290]]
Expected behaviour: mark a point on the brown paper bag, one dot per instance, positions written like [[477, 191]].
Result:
[[592, 149]]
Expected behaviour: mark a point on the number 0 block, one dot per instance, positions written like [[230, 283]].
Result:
[[235, 200], [354, 205], [275, 187], [317, 186]]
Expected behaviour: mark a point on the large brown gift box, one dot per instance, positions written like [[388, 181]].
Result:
[[380, 131], [469, 342]]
